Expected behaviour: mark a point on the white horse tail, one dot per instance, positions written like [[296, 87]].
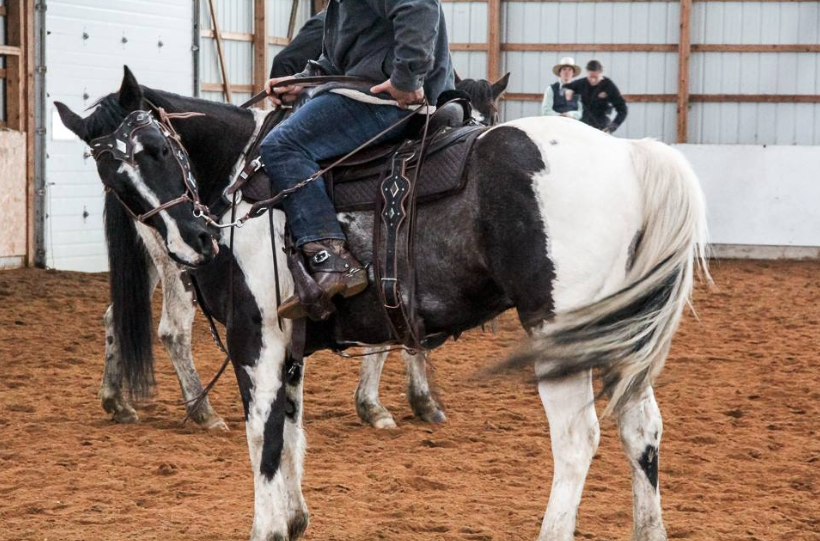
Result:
[[627, 335]]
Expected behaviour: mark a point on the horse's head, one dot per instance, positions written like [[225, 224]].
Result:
[[484, 97], [141, 160]]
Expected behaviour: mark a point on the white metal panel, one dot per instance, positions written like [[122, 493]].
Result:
[[755, 73], [81, 70], [467, 23]]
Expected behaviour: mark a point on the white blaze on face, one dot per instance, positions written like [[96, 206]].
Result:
[[477, 116], [176, 245]]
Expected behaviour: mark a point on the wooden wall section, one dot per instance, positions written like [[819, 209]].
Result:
[[13, 198]]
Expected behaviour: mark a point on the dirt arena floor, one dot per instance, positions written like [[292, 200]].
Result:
[[740, 458]]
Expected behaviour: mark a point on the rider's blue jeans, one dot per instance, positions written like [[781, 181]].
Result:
[[328, 125]]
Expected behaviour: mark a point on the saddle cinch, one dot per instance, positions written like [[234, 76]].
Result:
[[385, 179]]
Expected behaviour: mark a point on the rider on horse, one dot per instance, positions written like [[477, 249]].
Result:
[[400, 45]]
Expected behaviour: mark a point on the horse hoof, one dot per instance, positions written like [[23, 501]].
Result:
[[437, 417], [126, 416], [216, 425], [384, 423]]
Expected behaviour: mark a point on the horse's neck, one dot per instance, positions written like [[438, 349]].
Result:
[[215, 145]]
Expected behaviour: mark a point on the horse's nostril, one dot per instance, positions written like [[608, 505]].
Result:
[[206, 246]]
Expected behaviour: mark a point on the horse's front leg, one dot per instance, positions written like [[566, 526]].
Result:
[[178, 310], [271, 390]]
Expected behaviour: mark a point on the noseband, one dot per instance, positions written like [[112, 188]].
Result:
[[121, 144]]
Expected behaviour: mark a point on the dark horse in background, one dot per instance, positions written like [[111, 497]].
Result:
[[595, 252], [153, 267]]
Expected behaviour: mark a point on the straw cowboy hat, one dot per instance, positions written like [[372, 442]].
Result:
[[567, 61]]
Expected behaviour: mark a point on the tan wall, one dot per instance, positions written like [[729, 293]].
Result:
[[12, 194]]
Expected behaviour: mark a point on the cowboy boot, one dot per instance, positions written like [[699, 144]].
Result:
[[335, 271]]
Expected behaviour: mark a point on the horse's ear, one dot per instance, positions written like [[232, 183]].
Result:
[[71, 120], [130, 91], [458, 79], [500, 86]]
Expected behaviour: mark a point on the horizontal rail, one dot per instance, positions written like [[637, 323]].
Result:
[[239, 36], [619, 1], [217, 87], [700, 98], [653, 47], [8, 50]]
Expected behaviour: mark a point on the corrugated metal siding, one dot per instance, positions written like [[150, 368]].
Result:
[[755, 73], [656, 73], [605, 22], [467, 23], [78, 67], [236, 16]]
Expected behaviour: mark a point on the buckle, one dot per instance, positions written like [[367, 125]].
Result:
[[321, 257]]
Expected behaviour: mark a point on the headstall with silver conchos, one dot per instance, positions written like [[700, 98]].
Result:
[[121, 145]]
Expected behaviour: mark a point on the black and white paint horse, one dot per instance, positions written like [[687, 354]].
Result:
[[595, 250], [128, 330]]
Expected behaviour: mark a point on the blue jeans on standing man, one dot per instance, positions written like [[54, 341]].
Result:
[[327, 126]]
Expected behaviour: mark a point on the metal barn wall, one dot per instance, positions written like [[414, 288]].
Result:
[[236, 17], [605, 22], [467, 23], [755, 73], [87, 44], [746, 22]]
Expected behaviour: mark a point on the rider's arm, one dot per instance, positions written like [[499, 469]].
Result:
[[415, 25]]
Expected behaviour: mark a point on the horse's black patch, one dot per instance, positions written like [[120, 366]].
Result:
[[274, 439], [649, 464], [513, 232], [298, 525]]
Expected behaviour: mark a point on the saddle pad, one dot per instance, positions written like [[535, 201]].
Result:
[[356, 187]]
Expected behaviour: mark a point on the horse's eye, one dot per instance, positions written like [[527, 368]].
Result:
[[165, 150]]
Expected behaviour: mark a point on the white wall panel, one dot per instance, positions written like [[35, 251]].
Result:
[[467, 23], [81, 70]]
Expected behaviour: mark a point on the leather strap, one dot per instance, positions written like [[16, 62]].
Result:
[[317, 80]]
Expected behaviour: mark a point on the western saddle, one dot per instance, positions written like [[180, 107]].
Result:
[[389, 179]]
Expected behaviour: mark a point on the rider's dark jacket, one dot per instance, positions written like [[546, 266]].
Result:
[[403, 40]]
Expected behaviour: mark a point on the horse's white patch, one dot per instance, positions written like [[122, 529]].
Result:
[[174, 241], [591, 208], [278, 499], [477, 116]]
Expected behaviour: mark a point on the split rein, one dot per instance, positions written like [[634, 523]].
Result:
[[121, 144]]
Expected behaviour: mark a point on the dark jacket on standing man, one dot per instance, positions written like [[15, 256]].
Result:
[[403, 40], [307, 45], [598, 101]]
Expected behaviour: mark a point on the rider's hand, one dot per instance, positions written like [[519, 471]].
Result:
[[404, 99], [281, 94]]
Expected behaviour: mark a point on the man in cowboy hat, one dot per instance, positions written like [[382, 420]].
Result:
[[401, 47], [559, 100], [599, 96]]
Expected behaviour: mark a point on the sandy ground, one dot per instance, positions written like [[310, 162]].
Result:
[[740, 458]]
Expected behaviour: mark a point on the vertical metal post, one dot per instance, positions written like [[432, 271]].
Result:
[[195, 46], [37, 257]]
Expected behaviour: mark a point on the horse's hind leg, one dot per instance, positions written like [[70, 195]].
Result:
[[640, 427], [424, 404], [110, 394], [575, 434], [178, 310], [368, 407]]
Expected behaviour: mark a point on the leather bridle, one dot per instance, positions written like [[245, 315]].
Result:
[[121, 144]]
